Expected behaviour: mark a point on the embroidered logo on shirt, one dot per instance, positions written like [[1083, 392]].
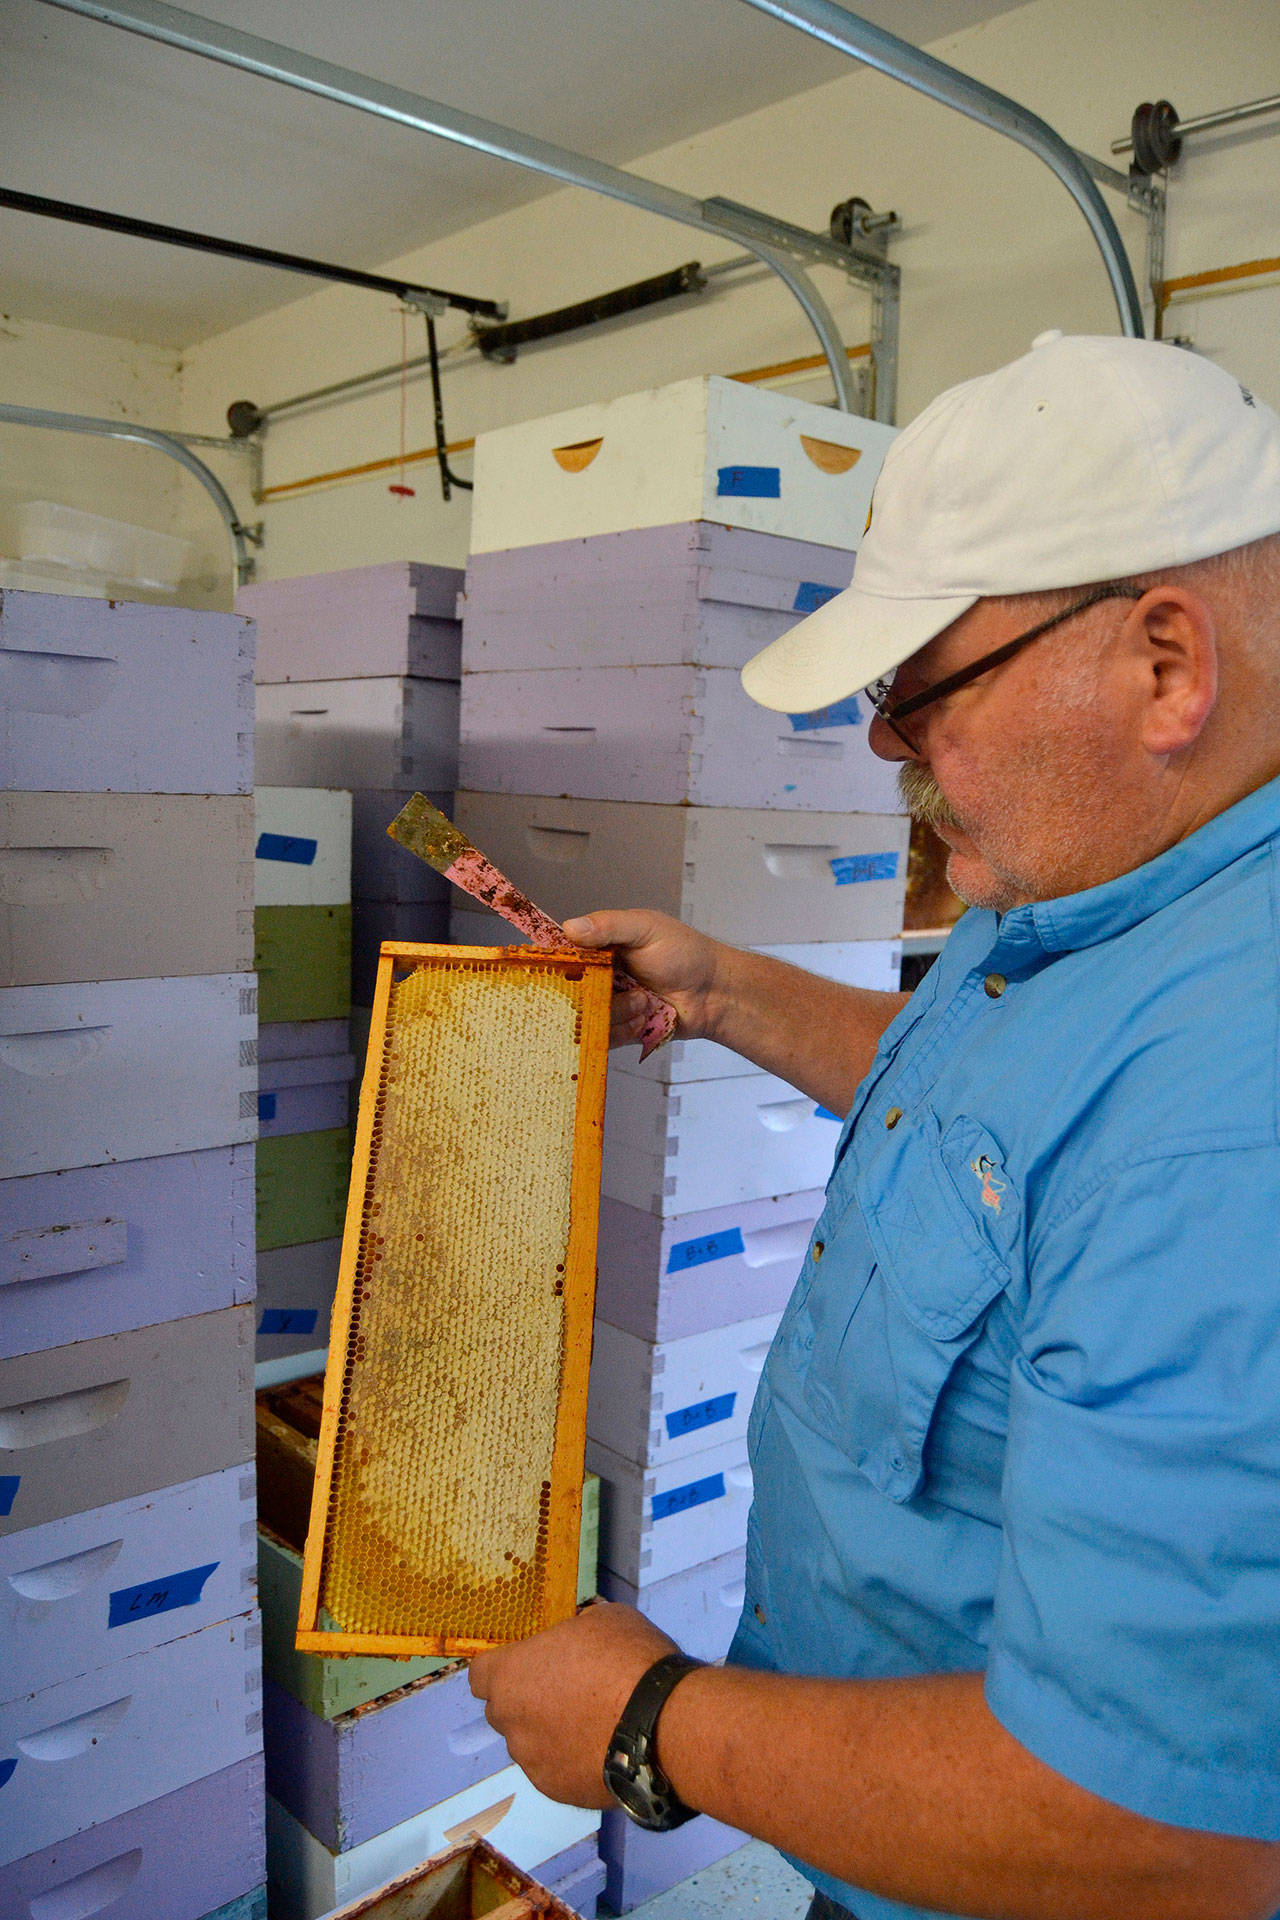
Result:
[[985, 1167]]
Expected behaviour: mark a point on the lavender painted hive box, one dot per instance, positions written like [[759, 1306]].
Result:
[[126, 1865], [397, 617], [90, 1748], [392, 733], [698, 594], [373, 921], [305, 1094], [666, 1279], [101, 1420], [666, 734], [124, 1069], [100, 1250], [295, 1294], [380, 868], [640, 1865], [109, 696], [80, 1592], [118, 886]]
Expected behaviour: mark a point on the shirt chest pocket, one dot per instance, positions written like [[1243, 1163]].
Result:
[[942, 1220]]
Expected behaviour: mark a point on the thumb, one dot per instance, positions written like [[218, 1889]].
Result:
[[586, 931]]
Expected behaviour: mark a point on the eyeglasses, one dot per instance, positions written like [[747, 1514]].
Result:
[[894, 712]]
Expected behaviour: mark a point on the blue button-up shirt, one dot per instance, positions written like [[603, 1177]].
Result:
[[1022, 1414]]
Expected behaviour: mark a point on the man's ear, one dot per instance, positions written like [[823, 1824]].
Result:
[[1175, 647]]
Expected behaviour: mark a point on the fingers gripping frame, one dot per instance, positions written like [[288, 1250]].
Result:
[[447, 1495]]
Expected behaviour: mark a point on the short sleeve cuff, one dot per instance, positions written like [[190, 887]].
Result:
[[1131, 1773]]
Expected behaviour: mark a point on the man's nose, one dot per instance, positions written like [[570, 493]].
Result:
[[889, 745]]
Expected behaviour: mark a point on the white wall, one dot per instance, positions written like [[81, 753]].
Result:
[[65, 370]]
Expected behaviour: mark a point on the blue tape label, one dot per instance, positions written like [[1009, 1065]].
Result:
[[841, 713], [750, 483], [8, 1491], [707, 1413], [6, 1768], [288, 1320], [811, 594], [294, 848], [825, 1113], [696, 1494], [712, 1246], [851, 867], [150, 1597], [266, 1106]]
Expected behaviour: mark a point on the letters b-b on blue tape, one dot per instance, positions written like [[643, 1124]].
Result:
[[712, 1246], [849, 868], [750, 483], [695, 1494], [150, 1597]]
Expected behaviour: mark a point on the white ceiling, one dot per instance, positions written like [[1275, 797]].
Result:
[[105, 119]]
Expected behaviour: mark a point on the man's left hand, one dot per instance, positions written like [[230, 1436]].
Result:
[[556, 1698]]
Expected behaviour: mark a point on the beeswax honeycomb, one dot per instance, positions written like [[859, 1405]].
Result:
[[450, 1463]]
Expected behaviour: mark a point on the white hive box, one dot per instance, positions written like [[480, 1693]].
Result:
[[699, 1608], [655, 1403], [301, 847], [306, 1880], [87, 1749], [747, 875], [703, 449], [102, 1420], [393, 733], [117, 886], [100, 696], [712, 1143], [669, 1279], [397, 617], [656, 1521], [875, 964], [98, 1250], [79, 1592], [124, 1069], [665, 734], [700, 594]]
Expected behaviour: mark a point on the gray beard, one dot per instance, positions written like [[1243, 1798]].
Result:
[[923, 797]]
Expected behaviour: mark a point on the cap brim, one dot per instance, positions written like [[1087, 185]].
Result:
[[854, 639]]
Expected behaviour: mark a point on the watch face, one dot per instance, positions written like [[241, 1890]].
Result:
[[633, 1787]]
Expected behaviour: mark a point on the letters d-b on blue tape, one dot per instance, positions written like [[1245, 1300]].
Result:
[[695, 1494]]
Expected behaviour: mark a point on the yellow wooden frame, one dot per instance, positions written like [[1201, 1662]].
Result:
[[559, 1598]]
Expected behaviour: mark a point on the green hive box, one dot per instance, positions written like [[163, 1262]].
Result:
[[331, 1686], [302, 1181], [303, 960]]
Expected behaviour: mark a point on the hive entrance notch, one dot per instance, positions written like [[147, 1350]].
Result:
[[446, 1508]]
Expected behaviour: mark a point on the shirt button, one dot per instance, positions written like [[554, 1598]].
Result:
[[892, 1118], [818, 1247], [994, 985], [758, 1610]]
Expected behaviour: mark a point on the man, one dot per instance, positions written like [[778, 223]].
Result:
[[1011, 1640]]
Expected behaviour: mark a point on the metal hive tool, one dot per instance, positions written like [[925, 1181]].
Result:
[[448, 1482]]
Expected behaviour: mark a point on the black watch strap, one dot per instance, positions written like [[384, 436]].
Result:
[[631, 1773]]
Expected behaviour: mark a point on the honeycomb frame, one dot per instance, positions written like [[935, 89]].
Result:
[[352, 1479]]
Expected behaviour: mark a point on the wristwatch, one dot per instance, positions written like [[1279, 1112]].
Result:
[[630, 1771]]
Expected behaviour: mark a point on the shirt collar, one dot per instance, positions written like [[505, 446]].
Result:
[[1100, 913]]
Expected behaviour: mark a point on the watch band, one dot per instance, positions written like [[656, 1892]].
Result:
[[630, 1771]]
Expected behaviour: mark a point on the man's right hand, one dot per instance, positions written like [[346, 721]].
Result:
[[681, 965]]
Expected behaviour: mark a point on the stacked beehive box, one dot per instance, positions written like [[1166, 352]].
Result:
[[373, 1764], [627, 560], [358, 688], [302, 918], [130, 1724]]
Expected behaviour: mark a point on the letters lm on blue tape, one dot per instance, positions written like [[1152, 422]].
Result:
[[151, 1597]]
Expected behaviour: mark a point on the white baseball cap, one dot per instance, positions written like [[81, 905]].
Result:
[[1089, 459]]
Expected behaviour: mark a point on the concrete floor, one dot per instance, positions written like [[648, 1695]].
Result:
[[754, 1883]]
